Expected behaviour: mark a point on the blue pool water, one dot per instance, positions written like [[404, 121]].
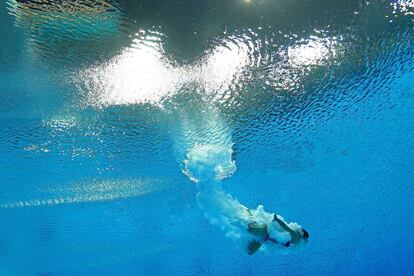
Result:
[[103, 105]]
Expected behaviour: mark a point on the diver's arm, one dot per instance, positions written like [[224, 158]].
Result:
[[282, 223], [295, 236]]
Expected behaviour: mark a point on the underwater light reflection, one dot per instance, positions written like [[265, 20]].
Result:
[[143, 73], [312, 51], [225, 65], [89, 191], [404, 6], [138, 75]]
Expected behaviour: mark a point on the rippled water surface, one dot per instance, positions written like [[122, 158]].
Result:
[[101, 100]]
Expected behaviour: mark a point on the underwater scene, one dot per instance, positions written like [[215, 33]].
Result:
[[206, 137]]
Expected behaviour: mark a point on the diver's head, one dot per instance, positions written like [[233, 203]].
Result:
[[299, 236]]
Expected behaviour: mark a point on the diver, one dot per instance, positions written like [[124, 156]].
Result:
[[264, 233]]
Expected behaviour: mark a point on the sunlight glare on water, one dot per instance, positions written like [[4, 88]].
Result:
[[142, 73]]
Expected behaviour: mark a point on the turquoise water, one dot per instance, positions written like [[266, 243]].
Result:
[[103, 105]]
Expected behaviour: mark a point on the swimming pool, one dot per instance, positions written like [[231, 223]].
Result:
[[305, 107]]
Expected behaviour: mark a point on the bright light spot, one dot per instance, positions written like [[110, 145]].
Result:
[[404, 6], [312, 52], [138, 75], [142, 74], [225, 65], [295, 60]]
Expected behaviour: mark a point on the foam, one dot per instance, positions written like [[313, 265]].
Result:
[[207, 161]]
